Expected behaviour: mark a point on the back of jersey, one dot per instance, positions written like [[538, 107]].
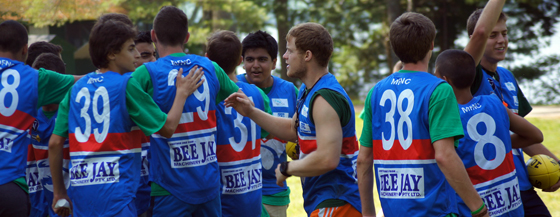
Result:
[[18, 109], [188, 158], [487, 154], [239, 157], [409, 180], [105, 145]]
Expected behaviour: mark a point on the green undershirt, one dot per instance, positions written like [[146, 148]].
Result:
[[49, 115]]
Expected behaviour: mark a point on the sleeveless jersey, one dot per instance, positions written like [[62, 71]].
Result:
[[186, 165], [283, 99], [105, 146], [486, 154], [340, 183], [39, 177], [18, 109], [409, 181], [506, 90], [143, 194], [239, 156]]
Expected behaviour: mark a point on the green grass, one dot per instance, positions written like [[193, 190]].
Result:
[[548, 126]]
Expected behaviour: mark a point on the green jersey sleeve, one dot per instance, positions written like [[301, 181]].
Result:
[[227, 86], [53, 87], [444, 118], [142, 76], [524, 105], [267, 109], [366, 139], [61, 124], [142, 109], [297, 91]]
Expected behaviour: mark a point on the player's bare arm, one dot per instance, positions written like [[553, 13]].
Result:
[[56, 144], [185, 87], [525, 133], [455, 173], [483, 29], [365, 180], [329, 145], [282, 128]]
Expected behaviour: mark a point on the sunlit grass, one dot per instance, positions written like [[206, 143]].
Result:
[[548, 126]]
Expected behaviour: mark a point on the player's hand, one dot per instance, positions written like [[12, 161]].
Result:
[[187, 85], [240, 102], [280, 178], [553, 188], [62, 211]]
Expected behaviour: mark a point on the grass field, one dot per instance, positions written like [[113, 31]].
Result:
[[549, 127]]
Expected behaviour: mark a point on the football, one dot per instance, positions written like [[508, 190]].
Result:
[[543, 171], [292, 149]]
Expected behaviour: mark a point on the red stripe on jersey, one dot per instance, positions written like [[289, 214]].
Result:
[[113, 142], [197, 123], [41, 154], [145, 139], [349, 145], [479, 175], [226, 153], [30, 153], [420, 149], [19, 119]]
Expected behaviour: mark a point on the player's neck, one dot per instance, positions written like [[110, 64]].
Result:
[[110, 68], [9, 55], [266, 83], [418, 66], [313, 75], [164, 50], [463, 96], [232, 76], [488, 64]]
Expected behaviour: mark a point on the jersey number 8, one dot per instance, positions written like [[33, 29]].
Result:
[[103, 118], [405, 117], [8, 88], [484, 139]]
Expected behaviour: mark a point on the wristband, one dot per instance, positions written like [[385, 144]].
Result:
[[479, 209], [284, 168]]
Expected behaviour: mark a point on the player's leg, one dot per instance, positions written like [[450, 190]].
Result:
[[13, 200], [276, 211]]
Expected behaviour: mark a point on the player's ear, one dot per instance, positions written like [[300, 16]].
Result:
[[187, 38], [154, 36], [274, 63], [309, 55], [206, 54], [240, 60], [432, 47]]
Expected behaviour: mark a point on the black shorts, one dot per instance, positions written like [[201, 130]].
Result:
[[14, 201], [533, 204]]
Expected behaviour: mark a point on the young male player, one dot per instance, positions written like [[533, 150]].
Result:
[[486, 147], [184, 169], [145, 47], [38, 172], [239, 138], [411, 124], [39, 48], [22, 90], [100, 115], [259, 53], [493, 79], [324, 126]]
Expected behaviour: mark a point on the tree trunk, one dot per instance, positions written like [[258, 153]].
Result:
[[393, 11], [410, 7], [280, 8]]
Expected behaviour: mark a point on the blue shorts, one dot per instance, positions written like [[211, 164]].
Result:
[[533, 204], [172, 206]]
